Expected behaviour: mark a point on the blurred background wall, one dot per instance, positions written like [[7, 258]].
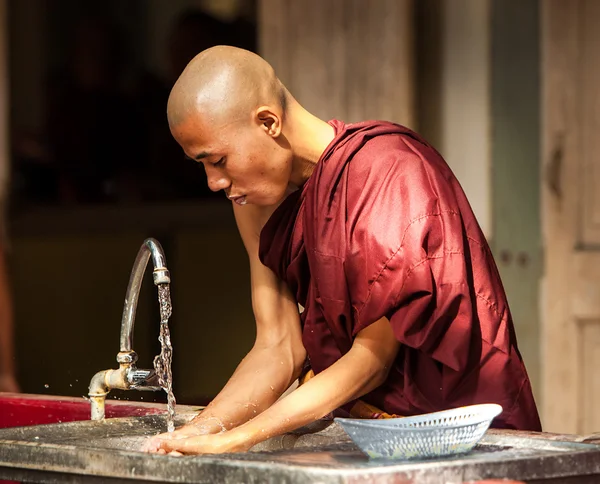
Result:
[[94, 170]]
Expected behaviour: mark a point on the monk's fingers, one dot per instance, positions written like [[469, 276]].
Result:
[[150, 445], [175, 453], [183, 432], [174, 445], [191, 445], [153, 444], [192, 430]]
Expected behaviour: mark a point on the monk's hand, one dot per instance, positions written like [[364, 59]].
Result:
[[221, 443], [197, 427]]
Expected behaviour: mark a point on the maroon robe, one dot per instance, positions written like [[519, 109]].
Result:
[[383, 228]]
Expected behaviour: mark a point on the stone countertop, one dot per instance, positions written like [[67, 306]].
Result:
[[108, 452]]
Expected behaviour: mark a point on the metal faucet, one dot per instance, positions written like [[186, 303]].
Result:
[[127, 376]]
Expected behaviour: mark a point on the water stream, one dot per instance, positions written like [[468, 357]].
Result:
[[162, 362]]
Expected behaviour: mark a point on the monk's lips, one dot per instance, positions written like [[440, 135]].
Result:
[[239, 200]]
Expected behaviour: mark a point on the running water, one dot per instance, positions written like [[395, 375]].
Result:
[[162, 362]]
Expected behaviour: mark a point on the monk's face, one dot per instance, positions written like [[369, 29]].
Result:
[[245, 158]]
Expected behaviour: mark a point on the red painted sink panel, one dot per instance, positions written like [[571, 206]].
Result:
[[17, 410]]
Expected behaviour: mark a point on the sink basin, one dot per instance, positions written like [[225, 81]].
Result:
[[51, 440], [18, 410], [107, 451]]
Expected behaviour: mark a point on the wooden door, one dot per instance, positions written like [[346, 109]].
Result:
[[346, 59], [571, 215]]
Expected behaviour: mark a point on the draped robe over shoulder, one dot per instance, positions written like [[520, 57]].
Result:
[[383, 228]]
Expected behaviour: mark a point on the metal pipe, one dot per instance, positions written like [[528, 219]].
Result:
[[97, 392], [150, 247], [127, 376]]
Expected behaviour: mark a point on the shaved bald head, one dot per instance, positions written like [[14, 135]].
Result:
[[224, 84], [229, 112]]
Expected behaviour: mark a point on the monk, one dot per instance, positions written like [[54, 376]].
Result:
[[371, 280]]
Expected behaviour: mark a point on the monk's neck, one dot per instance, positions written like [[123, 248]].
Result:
[[309, 137]]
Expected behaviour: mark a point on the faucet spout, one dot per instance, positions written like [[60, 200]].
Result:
[[150, 247]]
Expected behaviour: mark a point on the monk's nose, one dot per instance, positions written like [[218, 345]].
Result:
[[218, 182]]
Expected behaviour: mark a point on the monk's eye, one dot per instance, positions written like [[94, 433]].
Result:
[[221, 162]]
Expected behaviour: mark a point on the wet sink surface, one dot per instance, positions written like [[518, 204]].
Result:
[[108, 452]]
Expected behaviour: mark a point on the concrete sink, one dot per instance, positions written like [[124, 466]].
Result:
[[107, 451]]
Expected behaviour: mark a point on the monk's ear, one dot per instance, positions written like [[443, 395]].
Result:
[[269, 121]]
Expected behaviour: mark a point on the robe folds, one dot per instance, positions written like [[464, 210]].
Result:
[[383, 228]]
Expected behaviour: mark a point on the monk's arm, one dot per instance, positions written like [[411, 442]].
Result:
[[270, 367], [277, 356], [361, 370]]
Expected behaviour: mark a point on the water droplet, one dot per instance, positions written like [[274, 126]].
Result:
[[36, 438], [71, 385], [46, 385]]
